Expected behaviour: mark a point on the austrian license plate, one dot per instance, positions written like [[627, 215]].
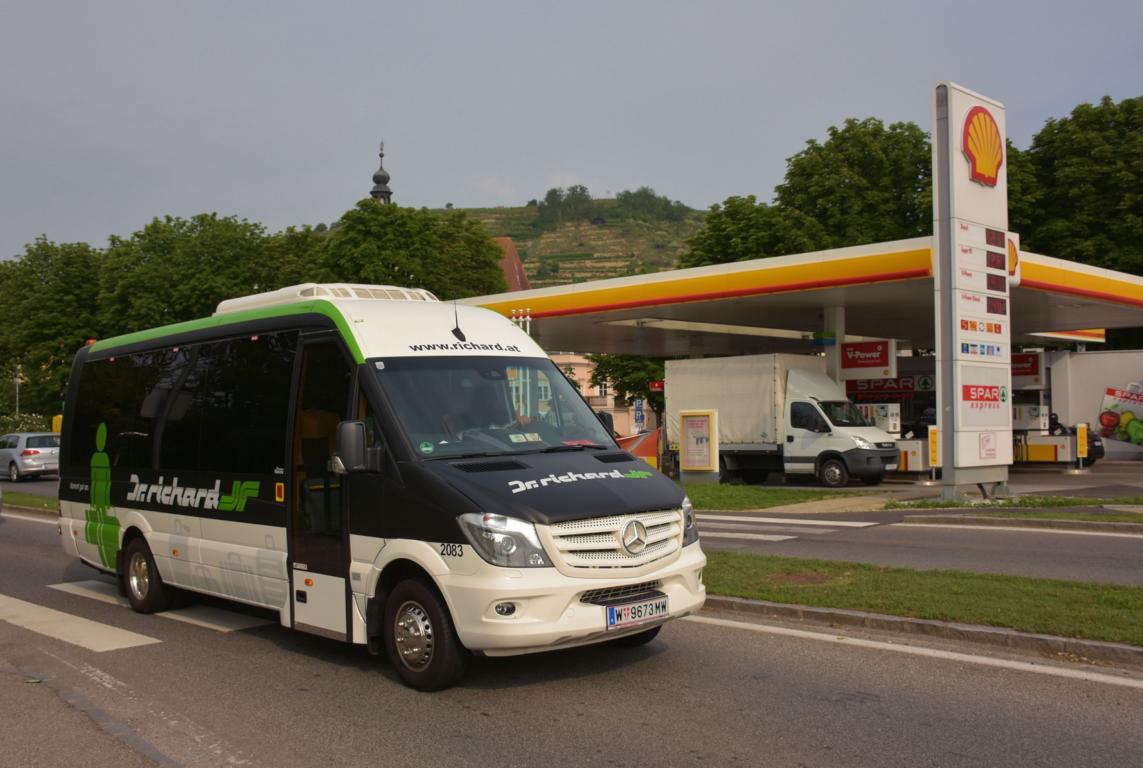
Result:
[[634, 614]]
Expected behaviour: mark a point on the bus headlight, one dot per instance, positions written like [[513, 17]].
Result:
[[690, 524], [504, 541]]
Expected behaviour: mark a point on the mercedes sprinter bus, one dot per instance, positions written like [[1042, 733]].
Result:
[[379, 468]]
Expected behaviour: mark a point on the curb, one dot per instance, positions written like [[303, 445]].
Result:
[[30, 510], [1097, 650], [1022, 522]]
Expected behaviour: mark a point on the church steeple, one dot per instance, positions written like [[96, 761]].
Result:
[[381, 189]]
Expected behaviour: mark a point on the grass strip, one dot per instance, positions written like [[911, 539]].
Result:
[[1014, 501], [30, 500], [1050, 606], [1063, 514], [705, 496]]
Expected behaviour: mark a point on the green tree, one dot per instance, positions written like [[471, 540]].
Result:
[[741, 228], [50, 309], [1023, 191], [630, 377], [297, 255], [178, 269], [644, 205], [448, 253], [577, 203], [1089, 175], [468, 263], [866, 183]]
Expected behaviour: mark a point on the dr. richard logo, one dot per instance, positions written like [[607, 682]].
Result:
[[194, 498], [518, 486]]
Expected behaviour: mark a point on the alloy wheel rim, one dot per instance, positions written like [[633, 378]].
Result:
[[139, 576], [13, 473], [413, 635]]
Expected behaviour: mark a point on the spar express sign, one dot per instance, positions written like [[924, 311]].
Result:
[[983, 396]]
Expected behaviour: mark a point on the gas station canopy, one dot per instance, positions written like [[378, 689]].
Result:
[[776, 304]]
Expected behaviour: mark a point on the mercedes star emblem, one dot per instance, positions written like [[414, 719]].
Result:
[[634, 537]]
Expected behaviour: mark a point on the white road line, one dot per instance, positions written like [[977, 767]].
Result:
[[214, 618], [93, 590], [29, 518], [749, 536], [984, 661], [205, 616], [787, 521], [1018, 529], [71, 629], [705, 526]]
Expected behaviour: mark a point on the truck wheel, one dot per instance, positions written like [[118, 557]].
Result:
[[635, 640], [833, 473], [755, 476], [873, 479], [145, 588], [727, 476], [420, 639]]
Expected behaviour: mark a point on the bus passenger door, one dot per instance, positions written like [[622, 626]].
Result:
[[319, 550]]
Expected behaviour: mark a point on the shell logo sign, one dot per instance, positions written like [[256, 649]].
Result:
[[983, 146]]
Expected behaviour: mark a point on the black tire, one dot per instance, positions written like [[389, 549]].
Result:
[[833, 473], [873, 479], [13, 473], [141, 580], [755, 476], [635, 640], [420, 639], [727, 476]]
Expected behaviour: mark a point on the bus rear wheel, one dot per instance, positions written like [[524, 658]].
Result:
[[420, 639], [144, 586]]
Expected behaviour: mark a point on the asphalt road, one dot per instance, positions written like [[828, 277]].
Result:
[[1071, 555], [1116, 558], [701, 694]]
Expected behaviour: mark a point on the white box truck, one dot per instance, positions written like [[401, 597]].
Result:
[[779, 413]]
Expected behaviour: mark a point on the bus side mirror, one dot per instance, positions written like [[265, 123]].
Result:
[[350, 455]]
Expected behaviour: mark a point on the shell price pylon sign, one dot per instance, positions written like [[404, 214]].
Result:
[[983, 146]]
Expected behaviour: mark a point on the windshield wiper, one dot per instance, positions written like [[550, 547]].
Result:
[[576, 447], [469, 455]]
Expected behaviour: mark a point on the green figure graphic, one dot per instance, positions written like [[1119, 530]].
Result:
[[102, 527]]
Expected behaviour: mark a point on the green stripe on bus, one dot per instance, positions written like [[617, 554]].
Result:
[[316, 306]]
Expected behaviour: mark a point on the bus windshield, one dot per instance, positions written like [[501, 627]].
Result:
[[843, 413], [483, 406]]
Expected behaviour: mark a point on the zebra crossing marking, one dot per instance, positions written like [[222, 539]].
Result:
[[205, 616]]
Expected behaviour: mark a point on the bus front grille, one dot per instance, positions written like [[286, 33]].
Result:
[[598, 543]]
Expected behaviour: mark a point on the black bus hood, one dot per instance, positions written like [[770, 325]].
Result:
[[554, 487]]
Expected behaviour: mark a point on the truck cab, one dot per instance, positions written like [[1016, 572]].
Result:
[[827, 436]]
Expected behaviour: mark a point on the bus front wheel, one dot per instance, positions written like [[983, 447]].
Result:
[[145, 588], [420, 639]]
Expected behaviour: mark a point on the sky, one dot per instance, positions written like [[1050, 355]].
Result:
[[115, 112]]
